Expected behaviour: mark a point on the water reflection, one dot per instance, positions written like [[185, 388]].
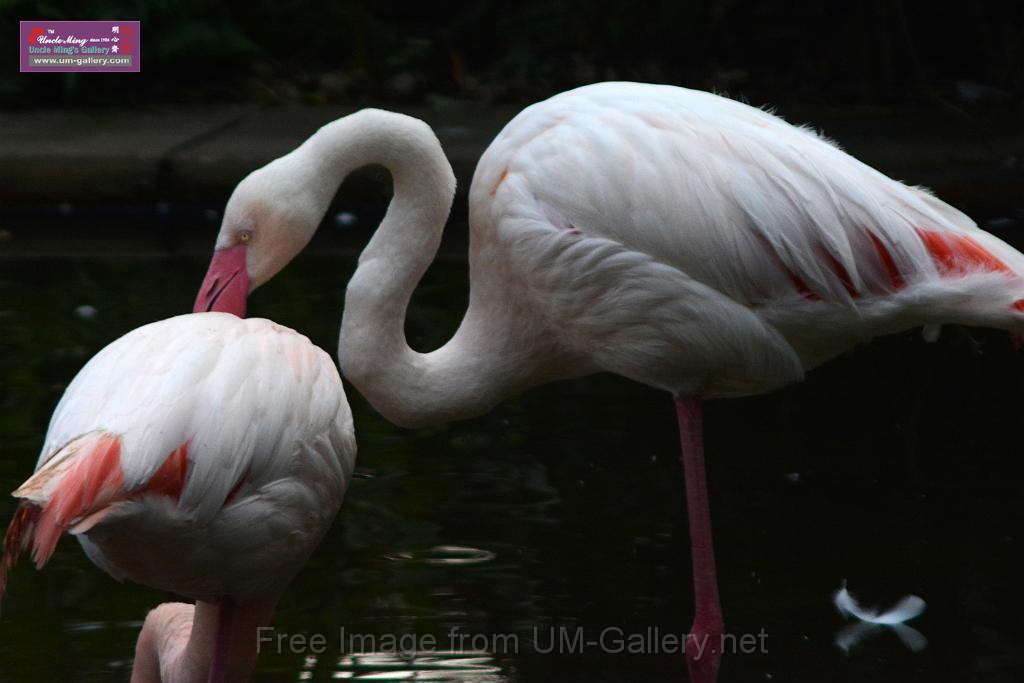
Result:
[[91, 626], [444, 555], [852, 635], [564, 507], [479, 667]]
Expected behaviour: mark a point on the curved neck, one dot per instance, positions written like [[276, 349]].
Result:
[[409, 388]]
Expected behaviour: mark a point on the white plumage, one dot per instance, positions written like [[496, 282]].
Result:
[[678, 238], [673, 236], [622, 207], [259, 419]]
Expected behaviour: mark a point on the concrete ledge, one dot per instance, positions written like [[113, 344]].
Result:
[[200, 153], [64, 155], [218, 162]]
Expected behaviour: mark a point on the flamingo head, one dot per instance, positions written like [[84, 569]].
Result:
[[269, 219]]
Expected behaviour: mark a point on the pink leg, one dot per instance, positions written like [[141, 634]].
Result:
[[219, 667], [704, 644]]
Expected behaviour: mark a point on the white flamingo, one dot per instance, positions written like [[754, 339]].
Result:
[[203, 455], [678, 238]]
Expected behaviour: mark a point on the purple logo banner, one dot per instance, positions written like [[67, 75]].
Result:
[[82, 46]]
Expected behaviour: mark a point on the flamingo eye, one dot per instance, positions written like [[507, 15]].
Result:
[[244, 236]]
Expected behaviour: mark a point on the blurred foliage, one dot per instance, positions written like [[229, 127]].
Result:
[[344, 50]]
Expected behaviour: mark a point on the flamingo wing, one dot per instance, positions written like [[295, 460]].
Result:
[[731, 195], [633, 315]]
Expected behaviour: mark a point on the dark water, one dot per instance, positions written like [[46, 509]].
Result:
[[897, 468]]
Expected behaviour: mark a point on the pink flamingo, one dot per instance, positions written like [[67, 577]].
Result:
[[678, 238], [203, 455]]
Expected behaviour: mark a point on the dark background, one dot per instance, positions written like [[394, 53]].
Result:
[[897, 466], [964, 54]]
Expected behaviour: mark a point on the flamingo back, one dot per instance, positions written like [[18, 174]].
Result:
[[202, 454], [767, 216]]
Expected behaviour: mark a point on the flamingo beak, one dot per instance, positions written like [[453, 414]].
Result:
[[226, 285]]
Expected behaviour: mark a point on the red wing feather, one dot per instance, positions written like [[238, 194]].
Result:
[[16, 541], [77, 485], [93, 481]]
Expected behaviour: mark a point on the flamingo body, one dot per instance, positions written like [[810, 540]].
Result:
[[203, 455], [681, 239], [700, 245]]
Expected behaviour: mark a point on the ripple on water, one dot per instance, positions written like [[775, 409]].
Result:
[[476, 666], [92, 626], [443, 555]]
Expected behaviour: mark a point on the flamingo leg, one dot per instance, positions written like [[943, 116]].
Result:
[[222, 645], [704, 642]]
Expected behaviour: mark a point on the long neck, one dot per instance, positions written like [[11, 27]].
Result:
[[461, 379], [178, 642]]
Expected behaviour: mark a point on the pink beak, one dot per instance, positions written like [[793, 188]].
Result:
[[226, 285]]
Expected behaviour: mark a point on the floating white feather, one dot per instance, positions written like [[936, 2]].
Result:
[[872, 619]]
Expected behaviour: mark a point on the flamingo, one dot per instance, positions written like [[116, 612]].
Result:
[[678, 238], [203, 455]]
